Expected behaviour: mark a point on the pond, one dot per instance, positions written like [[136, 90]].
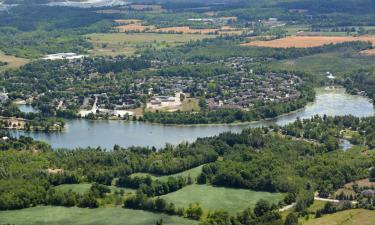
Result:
[[83, 133]]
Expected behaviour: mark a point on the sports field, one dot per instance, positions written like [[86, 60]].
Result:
[[47, 215], [216, 198]]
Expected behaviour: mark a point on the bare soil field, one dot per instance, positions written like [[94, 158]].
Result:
[[368, 52], [133, 27], [185, 30], [308, 41]]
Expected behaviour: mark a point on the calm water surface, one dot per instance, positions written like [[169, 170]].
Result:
[[83, 133]]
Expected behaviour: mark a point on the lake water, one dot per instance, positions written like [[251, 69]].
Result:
[[83, 133]]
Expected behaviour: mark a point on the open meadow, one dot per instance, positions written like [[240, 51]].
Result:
[[47, 215], [347, 217], [127, 43], [193, 173], [216, 198], [336, 63], [84, 187], [308, 41], [12, 61]]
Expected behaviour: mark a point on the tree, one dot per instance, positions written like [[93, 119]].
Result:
[[372, 174], [261, 208], [291, 219]]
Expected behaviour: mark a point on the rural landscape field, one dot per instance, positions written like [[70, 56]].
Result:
[[187, 112]]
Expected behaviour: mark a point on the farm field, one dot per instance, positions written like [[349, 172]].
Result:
[[336, 63], [78, 216], [308, 41], [13, 62], [216, 198], [194, 172], [126, 44], [348, 217]]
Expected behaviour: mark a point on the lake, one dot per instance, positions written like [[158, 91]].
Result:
[[83, 133]]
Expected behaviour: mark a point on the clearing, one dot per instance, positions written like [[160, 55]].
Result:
[[216, 198], [12, 61], [44, 215], [84, 187], [308, 41], [347, 217], [194, 173], [337, 63], [126, 44]]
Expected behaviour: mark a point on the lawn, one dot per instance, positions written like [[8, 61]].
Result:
[[216, 198], [348, 217], [78, 216], [126, 44], [194, 172], [82, 188]]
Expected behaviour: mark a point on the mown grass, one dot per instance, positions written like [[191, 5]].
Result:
[[220, 198], [126, 44], [46, 215], [348, 217], [193, 173]]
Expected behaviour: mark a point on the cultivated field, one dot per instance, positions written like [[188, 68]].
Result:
[[126, 44], [63, 216], [348, 217], [216, 198], [13, 62], [308, 41]]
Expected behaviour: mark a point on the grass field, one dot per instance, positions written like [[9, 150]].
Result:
[[215, 198], [126, 44], [82, 188], [308, 41], [194, 172], [77, 216], [348, 217], [13, 62], [336, 63]]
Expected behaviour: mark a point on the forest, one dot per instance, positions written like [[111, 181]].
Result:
[[264, 159]]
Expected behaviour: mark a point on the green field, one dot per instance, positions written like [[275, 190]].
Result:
[[113, 44], [194, 172], [82, 188], [78, 216], [348, 217], [215, 198], [336, 63]]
